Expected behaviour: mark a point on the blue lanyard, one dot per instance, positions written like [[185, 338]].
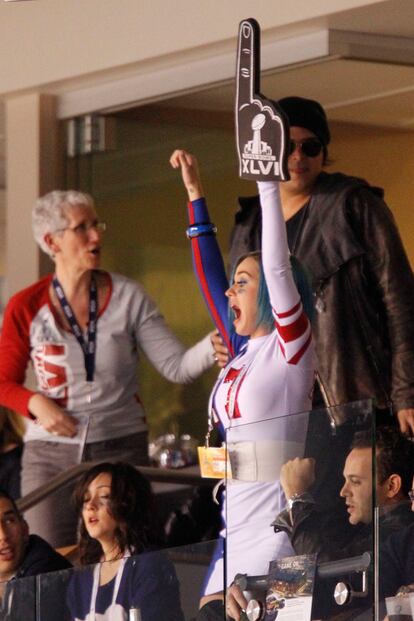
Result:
[[88, 346]]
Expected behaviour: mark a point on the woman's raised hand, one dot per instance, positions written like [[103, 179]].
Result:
[[189, 172], [51, 417]]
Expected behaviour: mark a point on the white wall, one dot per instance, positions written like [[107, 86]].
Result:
[[32, 169]]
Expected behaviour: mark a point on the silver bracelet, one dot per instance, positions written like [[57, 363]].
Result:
[[303, 497]]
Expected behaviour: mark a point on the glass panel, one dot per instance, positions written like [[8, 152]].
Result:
[[18, 600], [323, 460], [153, 586]]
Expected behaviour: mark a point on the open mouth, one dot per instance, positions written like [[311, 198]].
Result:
[[237, 312], [6, 554]]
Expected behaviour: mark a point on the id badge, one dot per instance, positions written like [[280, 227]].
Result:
[[81, 436], [214, 462]]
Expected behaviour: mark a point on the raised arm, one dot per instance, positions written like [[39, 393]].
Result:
[[207, 259], [291, 323], [262, 139]]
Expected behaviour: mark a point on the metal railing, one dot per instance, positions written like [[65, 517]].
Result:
[[186, 477]]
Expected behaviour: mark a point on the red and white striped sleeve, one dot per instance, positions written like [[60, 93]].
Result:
[[292, 325]]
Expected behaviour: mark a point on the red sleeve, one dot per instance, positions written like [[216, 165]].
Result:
[[294, 333], [15, 349]]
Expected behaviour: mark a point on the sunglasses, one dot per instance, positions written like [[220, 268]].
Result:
[[311, 147], [411, 495]]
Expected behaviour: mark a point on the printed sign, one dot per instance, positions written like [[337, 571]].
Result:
[[289, 594]]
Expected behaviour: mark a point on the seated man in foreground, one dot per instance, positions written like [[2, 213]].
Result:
[[21, 555], [312, 530]]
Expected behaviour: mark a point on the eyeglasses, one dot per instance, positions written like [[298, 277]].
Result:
[[84, 227], [411, 495], [311, 147]]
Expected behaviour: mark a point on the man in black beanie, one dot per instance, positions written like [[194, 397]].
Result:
[[342, 231], [307, 113]]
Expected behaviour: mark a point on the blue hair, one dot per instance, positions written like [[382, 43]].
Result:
[[265, 315], [303, 280]]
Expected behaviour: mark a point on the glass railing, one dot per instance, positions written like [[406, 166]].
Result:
[[315, 561], [327, 554], [152, 586], [18, 599]]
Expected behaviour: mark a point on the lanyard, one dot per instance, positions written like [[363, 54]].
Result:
[[95, 587], [88, 346]]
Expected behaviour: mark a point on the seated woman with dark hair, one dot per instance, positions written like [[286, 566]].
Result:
[[115, 505]]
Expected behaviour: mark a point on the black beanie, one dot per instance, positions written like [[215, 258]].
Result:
[[307, 113]]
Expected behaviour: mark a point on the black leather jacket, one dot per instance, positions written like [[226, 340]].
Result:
[[313, 530], [363, 286]]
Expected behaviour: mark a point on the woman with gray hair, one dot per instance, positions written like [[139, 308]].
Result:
[[81, 328]]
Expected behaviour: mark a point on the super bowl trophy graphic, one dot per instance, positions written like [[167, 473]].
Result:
[[262, 130]]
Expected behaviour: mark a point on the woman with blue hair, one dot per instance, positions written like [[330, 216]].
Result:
[[269, 376]]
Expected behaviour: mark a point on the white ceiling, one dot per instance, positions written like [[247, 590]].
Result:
[[391, 17], [351, 91]]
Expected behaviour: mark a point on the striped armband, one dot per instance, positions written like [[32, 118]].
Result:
[[197, 230]]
